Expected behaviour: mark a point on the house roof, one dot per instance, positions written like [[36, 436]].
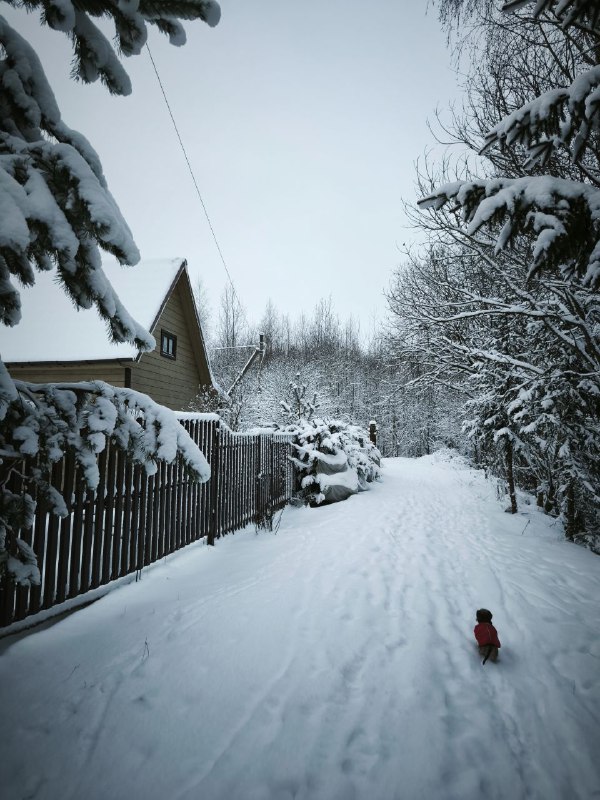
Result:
[[52, 329]]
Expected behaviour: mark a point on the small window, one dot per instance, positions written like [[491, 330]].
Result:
[[168, 345]]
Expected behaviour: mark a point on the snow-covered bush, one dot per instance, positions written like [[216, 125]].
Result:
[[58, 215], [333, 459]]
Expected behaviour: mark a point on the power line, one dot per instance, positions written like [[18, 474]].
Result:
[[191, 171]]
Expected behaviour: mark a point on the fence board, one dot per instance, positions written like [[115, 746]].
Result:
[[135, 518], [149, 546], [179, 512], [77, 514], [213, 521], [166, 540], [51, 555], [98, 514], [162, 513], [118, 520], [126, 530], [155, 533], [142, 519], [109, 533], [62, 585], [21, 593]]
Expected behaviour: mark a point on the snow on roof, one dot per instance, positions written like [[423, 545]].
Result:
[[52, 329]]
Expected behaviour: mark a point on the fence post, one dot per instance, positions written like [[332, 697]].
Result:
[[213, 528], [373, 432], [258, 481]]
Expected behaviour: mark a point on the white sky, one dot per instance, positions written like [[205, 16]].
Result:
[[302, 122]]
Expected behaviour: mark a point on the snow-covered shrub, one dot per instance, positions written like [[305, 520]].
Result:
[[333, 459]]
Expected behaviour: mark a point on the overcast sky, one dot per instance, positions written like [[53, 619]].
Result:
[[302, 122]]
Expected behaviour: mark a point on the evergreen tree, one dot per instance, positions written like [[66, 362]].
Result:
[[559, 214], [56, 213]]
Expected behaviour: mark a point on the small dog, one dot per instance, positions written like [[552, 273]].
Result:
[[486, 635]]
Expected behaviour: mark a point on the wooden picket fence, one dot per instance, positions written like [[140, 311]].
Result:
[[132, 519]]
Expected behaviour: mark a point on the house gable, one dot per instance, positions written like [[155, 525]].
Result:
[[175, 381]]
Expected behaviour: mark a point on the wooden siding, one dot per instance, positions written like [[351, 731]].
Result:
[[112, 372], [173, 383]]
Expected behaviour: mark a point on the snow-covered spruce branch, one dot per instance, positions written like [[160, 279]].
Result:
[[46, 421], [95, 56], [58, 210], [584, 13], [333, 459], [562, 216], [568, 115]]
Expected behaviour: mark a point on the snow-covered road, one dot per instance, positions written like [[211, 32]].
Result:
[[334, 661]]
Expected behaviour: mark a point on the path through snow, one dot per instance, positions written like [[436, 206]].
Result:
[[334, 661]]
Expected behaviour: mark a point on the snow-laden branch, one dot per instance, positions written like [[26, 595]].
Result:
[[44, 422], [568, 115], [55, 208], [95, 56], [56, 212], [561, 216], [568, 12]]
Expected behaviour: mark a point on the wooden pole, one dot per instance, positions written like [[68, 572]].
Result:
[[213, 530], [373, 432]]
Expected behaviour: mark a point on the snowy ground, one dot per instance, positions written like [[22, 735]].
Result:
[[333, 661]]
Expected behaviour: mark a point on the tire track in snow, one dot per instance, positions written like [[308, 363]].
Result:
[[345, 599], [265, 703]]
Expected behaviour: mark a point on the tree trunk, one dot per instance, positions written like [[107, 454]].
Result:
[[540, 498], [510, 477], [550, 504], [571, 526]]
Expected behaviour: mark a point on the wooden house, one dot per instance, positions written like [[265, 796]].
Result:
[[54, 342]]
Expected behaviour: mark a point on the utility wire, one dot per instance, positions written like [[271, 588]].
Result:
[[191, 171]]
